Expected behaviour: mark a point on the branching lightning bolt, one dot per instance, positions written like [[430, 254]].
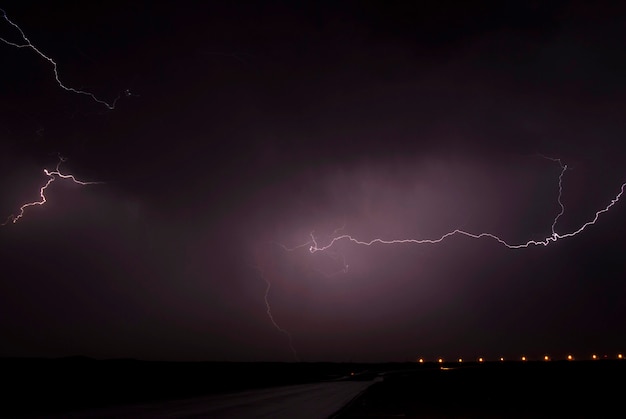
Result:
[[271, 316], [27, 44], [52, 176], [554, 236]]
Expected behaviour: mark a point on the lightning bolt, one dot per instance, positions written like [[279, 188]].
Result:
[[52, 176], [336, 256], [271, 316], [27, 44], [554, 236], [558, 199], [315, 246]]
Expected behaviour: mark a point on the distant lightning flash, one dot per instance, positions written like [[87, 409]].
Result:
[[315, 247], [271, 316], [52, 176], [27, 44], [334, 255]]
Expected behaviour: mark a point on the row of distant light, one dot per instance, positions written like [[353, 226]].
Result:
[[523, 358]]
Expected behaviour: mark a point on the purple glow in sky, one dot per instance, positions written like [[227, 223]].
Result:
[[362, 182]]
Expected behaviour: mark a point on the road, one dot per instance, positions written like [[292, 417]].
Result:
[[306, 401]]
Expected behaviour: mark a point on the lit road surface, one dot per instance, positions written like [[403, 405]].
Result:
[[319, 400]]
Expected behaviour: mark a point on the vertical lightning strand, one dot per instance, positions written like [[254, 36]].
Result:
[[28, 44], [271, 317], [52, 175], [560, 195], [314, 247]]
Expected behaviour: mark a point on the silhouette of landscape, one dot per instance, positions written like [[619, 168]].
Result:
[[68, 386]]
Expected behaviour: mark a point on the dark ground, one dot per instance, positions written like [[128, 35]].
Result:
[[46, 386], [509, 389], [562, 389]]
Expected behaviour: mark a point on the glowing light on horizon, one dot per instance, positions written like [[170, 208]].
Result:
[[26, 43], [570, 358], [594, 356], [460, 360], [619, 356], [480, 360], [501, 359], [546, 358], [52, 176], [523, 358], [440, 360], [421, 360]]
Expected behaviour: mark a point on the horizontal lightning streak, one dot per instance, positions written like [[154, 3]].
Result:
[[28, 44], [553, 237], [52, 176]]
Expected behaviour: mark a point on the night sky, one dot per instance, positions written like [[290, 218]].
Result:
[[243, 127]]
